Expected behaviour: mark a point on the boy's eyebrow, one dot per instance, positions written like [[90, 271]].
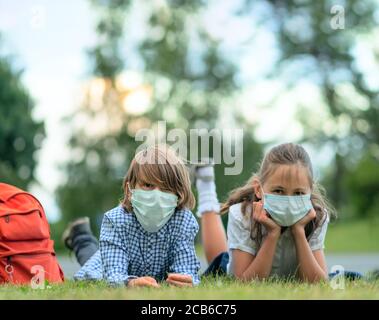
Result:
[[142, 181]]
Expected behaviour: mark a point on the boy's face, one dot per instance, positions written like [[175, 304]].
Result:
[[287, 180], [146, 186]]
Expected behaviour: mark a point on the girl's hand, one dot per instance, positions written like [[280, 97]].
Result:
[[260, 215], [143, 282], [179, 280], [300, 225]]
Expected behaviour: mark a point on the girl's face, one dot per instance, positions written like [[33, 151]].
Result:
[[286, 180]]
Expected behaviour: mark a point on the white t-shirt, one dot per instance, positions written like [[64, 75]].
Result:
[[285, 260]]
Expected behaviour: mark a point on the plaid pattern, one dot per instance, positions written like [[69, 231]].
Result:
[[128, 251]]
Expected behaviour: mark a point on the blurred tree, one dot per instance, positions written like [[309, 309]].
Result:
[[101, 145], [317, 42], [201, 84], [362, 181], [188, 89], [20, 135]]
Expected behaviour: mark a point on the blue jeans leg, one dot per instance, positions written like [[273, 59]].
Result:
[[218, 265], [349, 275]]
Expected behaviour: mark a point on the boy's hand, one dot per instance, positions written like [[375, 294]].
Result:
[[143, 282], [180, 280]]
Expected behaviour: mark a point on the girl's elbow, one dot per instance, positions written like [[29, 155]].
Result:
[[239, 275], [242, 276], [323, 276], [317, 278]]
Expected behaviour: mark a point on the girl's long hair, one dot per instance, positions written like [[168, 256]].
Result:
[[284, 154]]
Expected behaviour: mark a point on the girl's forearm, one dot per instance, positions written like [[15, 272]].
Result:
[[260, 267], [309, 268]]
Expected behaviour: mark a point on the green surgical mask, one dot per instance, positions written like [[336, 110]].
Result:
[[153, 208], [287, 210]]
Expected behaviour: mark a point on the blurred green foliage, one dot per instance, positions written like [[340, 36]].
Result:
[[191, 98], [194, 85], [20, 135], [312, 51], [198, 82], [362, 182]]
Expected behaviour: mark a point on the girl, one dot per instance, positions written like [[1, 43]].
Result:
[[150, 234], [277, 221]]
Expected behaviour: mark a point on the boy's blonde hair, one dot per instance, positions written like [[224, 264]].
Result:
[[160, 166]]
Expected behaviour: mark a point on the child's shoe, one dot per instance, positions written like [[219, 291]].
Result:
[[204, 178], [78, 226], [197, 171]]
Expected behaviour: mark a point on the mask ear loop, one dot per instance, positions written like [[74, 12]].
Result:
[[262, 192]]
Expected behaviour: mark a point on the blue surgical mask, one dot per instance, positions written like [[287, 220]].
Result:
[[153, 208], [287, 210]]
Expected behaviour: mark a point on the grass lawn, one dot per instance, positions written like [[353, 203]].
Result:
[[211, 288], [347, 237], [353, 237]]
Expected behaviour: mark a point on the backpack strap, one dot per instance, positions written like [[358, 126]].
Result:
[[7, 191]]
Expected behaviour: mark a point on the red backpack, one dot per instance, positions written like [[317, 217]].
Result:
[[26, 249]]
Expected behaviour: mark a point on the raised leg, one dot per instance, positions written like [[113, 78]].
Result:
[[213, 233], [79, 238]]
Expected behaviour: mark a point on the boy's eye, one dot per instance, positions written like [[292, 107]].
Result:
[[299, 193], [278, 191]]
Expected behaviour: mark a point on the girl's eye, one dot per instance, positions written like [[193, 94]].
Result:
[[148, 185]]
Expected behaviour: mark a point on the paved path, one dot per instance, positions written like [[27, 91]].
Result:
[[363, 262]]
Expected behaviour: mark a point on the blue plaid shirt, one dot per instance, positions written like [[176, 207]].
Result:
[[128, 251]]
